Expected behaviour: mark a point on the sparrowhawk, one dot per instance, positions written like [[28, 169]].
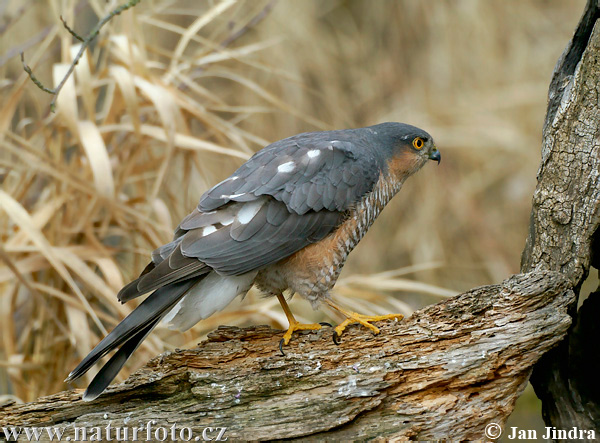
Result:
[[285, 220]]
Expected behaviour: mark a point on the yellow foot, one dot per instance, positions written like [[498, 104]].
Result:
[[353, 317], [295, 325]]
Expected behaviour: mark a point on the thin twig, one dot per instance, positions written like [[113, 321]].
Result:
[[73, 33], [34, 78], [85, 43]]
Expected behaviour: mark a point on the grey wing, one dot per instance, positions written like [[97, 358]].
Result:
[[307, 172], [292, 193], [235, 239], [245, 236], [170, 267]]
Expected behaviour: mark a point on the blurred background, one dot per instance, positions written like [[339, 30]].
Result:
[[174, 95]]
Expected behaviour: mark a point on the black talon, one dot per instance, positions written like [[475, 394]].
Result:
[[324, 323], [336, 338], [281, 347]]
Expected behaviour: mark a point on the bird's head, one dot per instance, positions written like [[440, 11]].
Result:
[[407, 148]]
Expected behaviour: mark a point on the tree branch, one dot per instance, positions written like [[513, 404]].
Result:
[[564, 225], [447, 371]]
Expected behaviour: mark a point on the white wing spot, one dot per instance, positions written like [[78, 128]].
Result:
[[227, 222], [313, 153], [220, 183], [208, 230], [232, 196], [248, 212], [286, 167]]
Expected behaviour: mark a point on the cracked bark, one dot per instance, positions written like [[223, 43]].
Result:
[[564, 223], [448, 370]]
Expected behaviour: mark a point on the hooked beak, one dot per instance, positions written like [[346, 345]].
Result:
[[435, 155]]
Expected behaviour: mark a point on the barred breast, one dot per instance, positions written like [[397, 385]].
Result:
[[313, 271]]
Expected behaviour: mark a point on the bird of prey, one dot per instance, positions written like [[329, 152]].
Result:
[[286, 220]]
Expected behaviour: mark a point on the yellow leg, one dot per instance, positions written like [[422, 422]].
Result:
[[294, 324], [353, 317]]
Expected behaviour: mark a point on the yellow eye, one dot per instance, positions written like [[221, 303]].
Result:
[[418, 143]]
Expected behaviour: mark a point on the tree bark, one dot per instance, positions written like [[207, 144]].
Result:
[[564, 225], [446, 372]]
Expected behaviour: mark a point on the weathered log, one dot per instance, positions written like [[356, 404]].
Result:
[[446, 372], [564, 222]]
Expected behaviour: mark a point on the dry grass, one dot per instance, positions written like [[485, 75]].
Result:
[[160, 109]]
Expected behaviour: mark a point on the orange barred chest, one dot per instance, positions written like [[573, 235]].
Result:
[[314, 270]]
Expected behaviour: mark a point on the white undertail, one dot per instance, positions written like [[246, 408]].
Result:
[[212, 294]]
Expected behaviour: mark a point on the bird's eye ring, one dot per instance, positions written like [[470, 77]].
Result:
[[418, 143]]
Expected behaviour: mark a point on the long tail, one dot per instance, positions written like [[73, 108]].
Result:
[[128, 335]]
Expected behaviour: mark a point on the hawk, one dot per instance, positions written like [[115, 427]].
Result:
[[286, 220]]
